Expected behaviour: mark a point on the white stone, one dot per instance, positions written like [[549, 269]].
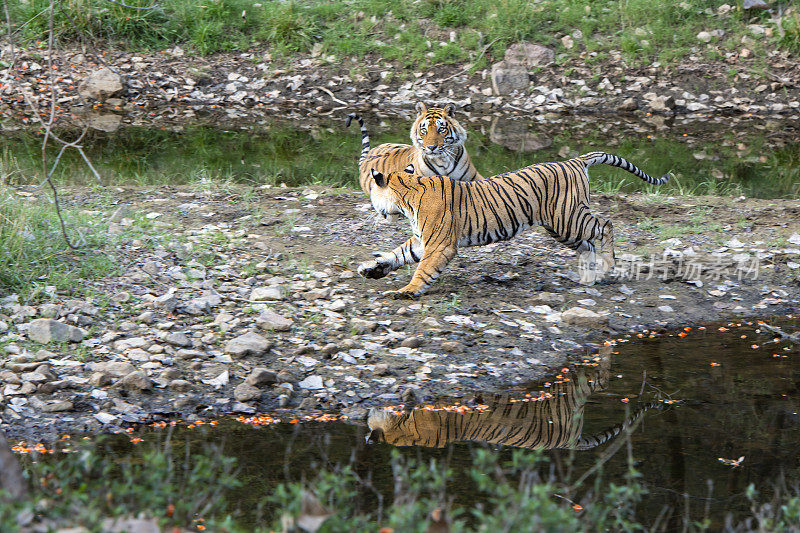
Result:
[[311, 382]]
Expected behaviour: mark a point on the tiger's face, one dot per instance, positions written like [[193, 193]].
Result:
[[436, 132]]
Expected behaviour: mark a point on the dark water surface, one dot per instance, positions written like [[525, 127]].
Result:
[[737, 394], [754, 157]]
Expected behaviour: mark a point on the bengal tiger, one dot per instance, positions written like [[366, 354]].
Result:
[[534, 423], [438, 148], [446, 214]]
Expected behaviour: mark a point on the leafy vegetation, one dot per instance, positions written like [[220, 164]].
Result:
[[183, 489], [418, 33]]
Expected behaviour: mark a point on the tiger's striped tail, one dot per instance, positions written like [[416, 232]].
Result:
[[364, 136], [602, 158], [592, 441]]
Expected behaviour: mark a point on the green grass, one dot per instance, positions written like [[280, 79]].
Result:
[[33, 253], [408, 30]]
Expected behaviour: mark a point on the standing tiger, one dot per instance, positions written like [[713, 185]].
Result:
[[549, 421], [446, 214], [438, 148]]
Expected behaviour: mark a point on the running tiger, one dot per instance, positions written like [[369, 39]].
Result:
[[549, 421], [446, 214], [438, 148]]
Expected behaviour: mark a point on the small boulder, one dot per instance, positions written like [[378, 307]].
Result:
[[261, 376], [57, 406], [248, 344], [530, 55], [267, 293], [245, 392], [100, 84], [578, 316], [178, 339], [453, 347], [272, 321], [134, 381], [46, 330]]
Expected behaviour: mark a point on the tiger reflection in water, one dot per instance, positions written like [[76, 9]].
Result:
[[551, 420]]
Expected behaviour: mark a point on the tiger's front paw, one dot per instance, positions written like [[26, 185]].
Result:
[[399, 295], [373, 269]]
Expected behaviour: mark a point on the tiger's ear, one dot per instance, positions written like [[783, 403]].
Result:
[[409, 169], [421, 108], [378, 177], [449, 109]]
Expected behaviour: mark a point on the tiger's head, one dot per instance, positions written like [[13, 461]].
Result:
[[436, 132], [384, 195]]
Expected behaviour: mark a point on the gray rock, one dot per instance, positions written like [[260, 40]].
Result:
[[271, 293], [412, 342], [204, 303], [134, 381], [46, 330], [453, 347], [100, 84], [662, 103], [245, 392], [508, 77], [286, 376], [382, 369], [100, 379], [57, 406], [33, 377], [261, 376], [168, 302], [754, 4], [549, 298], [579, 316], [629, 104], [248, 344], [180, 385], [272, 321], [50, 311], [704, 36], [178, 339], [530, 55], [115, 368], [360, 325], [311, 382]]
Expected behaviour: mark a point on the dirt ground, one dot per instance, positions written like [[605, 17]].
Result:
[[235, 258]]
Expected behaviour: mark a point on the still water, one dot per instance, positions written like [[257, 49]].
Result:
[[697, 396], [730, 155]]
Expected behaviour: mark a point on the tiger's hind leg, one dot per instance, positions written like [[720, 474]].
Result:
[[589, 234], [409, 252]]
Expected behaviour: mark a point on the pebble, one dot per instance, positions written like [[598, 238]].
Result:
[[311, 382], [579, 316], [272, 293], [245, 392], [136, 381], [248, 344], [453, 347], [261, 376], [272, 321]]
